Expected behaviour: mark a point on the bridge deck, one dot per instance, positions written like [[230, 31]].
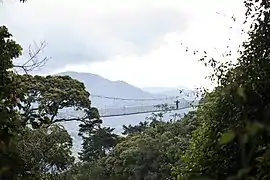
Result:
[[128, 110], [124, 111]]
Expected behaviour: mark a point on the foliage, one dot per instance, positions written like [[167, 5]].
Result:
[[135, 129], [231, 140], [43, 97], [97, 143], [10, 119], [145, 153], [32, 147], [45, 151]]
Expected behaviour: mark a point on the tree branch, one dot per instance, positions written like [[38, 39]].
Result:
[[34, 62], [70, 119]]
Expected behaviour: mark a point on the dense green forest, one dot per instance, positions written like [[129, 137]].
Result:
[[226, 137]]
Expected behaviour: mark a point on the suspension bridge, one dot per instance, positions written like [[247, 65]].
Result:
[[132, 106], [115, 106], [125, 111]]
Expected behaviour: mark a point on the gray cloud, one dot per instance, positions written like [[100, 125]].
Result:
[[79, 40], [144, 28]]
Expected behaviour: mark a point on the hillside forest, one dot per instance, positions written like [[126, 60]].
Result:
[[226, 137]]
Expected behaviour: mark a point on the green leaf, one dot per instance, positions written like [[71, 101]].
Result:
[[227, 137]]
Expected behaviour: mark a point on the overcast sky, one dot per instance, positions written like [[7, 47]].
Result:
[[137, 41]]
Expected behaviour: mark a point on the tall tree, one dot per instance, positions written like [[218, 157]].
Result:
[[10, 119], [97, 141]]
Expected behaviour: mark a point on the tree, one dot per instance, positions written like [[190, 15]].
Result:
[[135, 129], [148, 153], [10, 119], [232, 139], [42, 98], [97, 141], [29, 106], [45, 151]]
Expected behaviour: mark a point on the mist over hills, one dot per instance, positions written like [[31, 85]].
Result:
[[100, 86], [181, 91]]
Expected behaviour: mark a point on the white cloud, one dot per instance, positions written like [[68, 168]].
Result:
[[90, 31], [164, 66], [137, 40]]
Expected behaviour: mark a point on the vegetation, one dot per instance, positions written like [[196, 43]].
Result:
[[29, 107], [227, 137]]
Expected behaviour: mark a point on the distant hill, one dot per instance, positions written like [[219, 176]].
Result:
[[98, 85]]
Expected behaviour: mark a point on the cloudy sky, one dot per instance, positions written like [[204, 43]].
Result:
[[137, 41]]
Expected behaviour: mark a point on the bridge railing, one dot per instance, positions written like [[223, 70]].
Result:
[[128, 110]]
